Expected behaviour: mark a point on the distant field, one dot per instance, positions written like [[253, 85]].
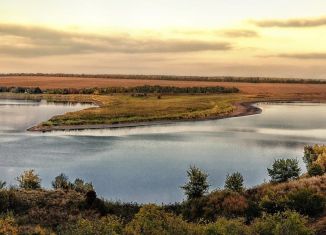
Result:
[[265, 89], [124, 109]]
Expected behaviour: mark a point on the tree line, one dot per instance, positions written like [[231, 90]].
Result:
[[136, 90]]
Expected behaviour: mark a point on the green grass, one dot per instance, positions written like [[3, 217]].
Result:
[[127, 109]]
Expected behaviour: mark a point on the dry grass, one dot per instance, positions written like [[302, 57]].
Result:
[[317, 183], [267, 89]]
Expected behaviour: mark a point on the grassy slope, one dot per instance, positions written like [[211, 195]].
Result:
[[50, 208]]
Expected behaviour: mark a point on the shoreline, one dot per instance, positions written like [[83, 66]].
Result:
[[242, 109]]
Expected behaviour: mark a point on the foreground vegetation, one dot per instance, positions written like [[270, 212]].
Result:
[[291, 204]]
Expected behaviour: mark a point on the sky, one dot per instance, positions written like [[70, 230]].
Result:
[[186, 37]]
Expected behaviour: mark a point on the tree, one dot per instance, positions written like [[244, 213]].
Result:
[[197, 184], [83, 187], [29, 180], [234, 182], [284, 169], [61, 182]]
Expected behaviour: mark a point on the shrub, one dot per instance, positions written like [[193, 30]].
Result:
[[306, 202], [197, 184], [283, 170], [234, 205], [29, 180], [227, 227], [272, 203], [315, 155], [321, 160], [83, 187], [315, 169], [8, 225], [151, 220], [110, 225], [285, 223], [90, 197], [61, 182], [234, 182]]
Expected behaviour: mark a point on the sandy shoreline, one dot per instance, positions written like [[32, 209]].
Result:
[[242, 109]]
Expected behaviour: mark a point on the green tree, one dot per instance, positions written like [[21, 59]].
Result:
[[83, 187], [234, 182], [283, 170], [29, 180], [197, 184], [61, 182]]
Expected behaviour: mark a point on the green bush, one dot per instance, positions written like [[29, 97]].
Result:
[[283, 170], [110, 225], [315, 169], [151, 220], [306, 202], [234, 182], [285, 223], [273, 203], [29, 180], [83, 187], [227, 227]]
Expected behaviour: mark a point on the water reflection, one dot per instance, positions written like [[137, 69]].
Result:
[[148, 164]]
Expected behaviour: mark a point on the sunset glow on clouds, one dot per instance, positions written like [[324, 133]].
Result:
[[241, 38]]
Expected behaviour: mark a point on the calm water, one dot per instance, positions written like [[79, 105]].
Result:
[[148, 164]]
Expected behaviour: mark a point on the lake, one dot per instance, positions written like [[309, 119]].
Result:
[[148, 164]]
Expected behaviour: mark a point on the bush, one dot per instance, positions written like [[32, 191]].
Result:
[[83, 187], [285, 223], [315, 155], [227, 227], [315, 169], [273, 203], [151, 220], [234, 205], [110, 225], [306, 202], [197, 184], [283, 170], [29, 180], [8, 225], [234, 182]]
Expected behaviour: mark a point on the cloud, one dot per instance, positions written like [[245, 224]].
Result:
[[237, 33], [40, 41], [231, 33], [305, 56], [299, 23]]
